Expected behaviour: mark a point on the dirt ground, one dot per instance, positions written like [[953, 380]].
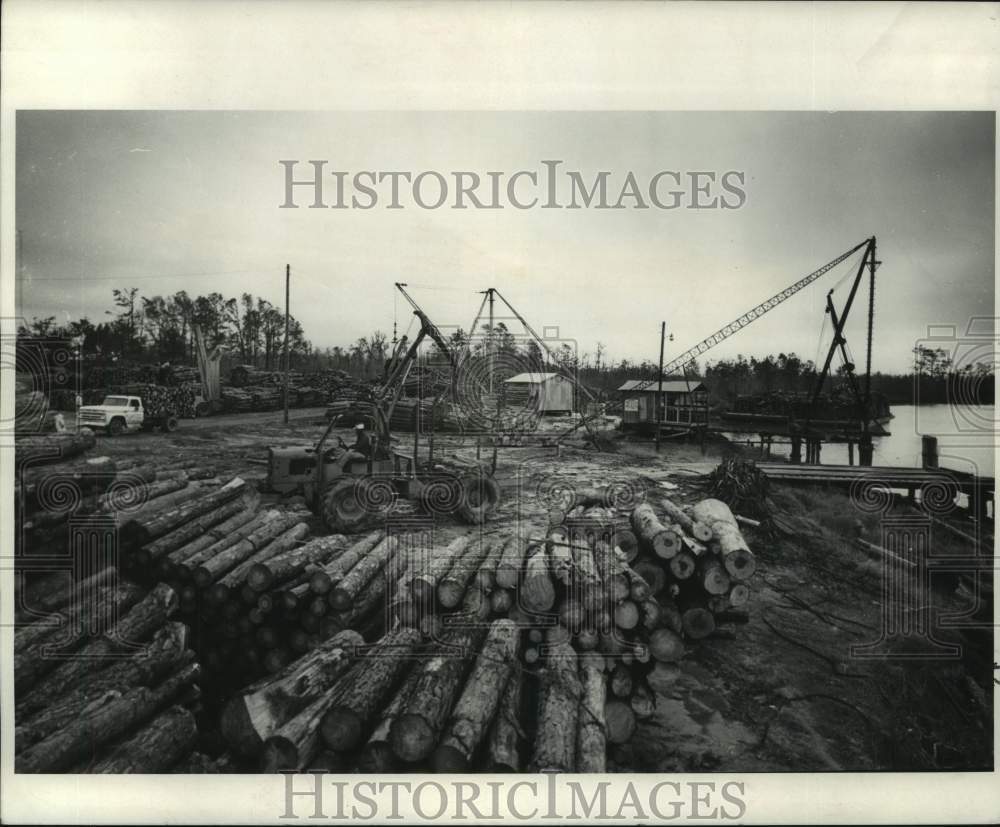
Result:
[[779, 693]]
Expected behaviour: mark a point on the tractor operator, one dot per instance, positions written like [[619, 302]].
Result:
[[362, 443]]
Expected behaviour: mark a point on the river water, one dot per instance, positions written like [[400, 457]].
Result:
[[966, 438]]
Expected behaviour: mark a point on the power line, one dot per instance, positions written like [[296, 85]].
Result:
[[146, 278]]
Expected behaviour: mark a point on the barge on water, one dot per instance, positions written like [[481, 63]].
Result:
[[781, 412]]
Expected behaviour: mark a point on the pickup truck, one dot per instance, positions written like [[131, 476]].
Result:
[[123, 414]]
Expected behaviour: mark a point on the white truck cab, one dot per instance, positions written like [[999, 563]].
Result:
[[122, 414]]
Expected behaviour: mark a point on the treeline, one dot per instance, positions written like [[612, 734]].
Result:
[[251, 329], [935, 379], [161, 328]]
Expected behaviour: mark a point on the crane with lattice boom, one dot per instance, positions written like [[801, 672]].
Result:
[[753, 314]]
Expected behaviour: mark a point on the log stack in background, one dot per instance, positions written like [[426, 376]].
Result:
[[157, 400]]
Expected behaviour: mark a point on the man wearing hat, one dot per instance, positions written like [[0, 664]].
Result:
[[362, 443]]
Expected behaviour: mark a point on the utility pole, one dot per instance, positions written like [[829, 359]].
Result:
[[865, 448], [288, 276], [489, 295], [659, 387]]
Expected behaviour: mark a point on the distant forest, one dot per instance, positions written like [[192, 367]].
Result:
[[251, 330]]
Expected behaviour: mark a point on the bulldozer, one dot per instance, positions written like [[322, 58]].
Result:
[[353, 492]]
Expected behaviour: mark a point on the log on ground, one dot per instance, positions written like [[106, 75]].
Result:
[[538, 593], [376, 755], [452, 585], [503, 740], [416, 731], [74, 743], [555, 742], [348, 708], [34, 660], [41, 713], [653, 535], [155, 748], [259, 711], [591, 743], [511, 564], [477, 706]]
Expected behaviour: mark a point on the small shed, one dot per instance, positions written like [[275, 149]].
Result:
[[684, 401], [543, 392]]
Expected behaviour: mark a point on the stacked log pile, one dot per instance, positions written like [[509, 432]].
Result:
[[559, 633], [243, 375], [100, 376], [119, 495], [383, 652], [259, 593], [256, 398], [113, 688], [254, 389], [177, 400]]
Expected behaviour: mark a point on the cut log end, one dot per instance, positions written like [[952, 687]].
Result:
[[449, 759], [682, 566], [620, 722], [666, 646], [411, 738], [666, 544], [341, 729], [698, 623], [740, 564], [739, 595], [701, 531], [239, 730], [279, 754]]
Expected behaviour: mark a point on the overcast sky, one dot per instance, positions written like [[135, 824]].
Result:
[[182, 200]]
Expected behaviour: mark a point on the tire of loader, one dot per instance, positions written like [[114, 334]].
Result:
[[480, 496], [169, 424], [351, 506]]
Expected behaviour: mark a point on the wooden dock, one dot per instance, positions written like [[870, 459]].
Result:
[[980, 490]]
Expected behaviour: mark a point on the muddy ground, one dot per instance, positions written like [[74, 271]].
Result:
[[779, 693]]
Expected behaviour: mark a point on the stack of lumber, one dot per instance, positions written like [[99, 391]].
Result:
[[107, 684]]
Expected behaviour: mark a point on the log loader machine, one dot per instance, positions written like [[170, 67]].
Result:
[[353, 491]]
